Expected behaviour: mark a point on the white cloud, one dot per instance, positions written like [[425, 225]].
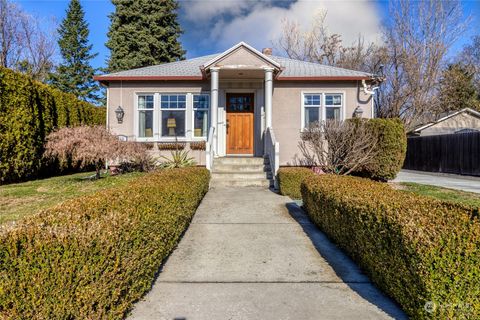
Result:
[[259, 23]]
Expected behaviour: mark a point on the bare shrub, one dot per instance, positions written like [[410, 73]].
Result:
[[94, 145], [338, 147]]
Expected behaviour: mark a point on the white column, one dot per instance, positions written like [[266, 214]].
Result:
[[214, 106], [268, 96]]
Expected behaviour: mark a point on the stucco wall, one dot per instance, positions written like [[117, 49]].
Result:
[[124, 94], [453, 124], [287, 109]]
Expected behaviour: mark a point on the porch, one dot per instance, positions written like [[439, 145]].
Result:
[[241, 108]]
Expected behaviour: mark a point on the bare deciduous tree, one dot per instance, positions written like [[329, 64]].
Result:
[[338, 147], [92, 146], [25, 46], [471, 57], [39, 48], [417, 40], [10, 33], [415, 45], [317, 44]]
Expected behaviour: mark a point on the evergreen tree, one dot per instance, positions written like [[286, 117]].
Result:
[[75, 74], [457, 88], [143, 33]]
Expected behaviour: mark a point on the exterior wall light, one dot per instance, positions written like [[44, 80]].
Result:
[[358, 112], [120, 114]]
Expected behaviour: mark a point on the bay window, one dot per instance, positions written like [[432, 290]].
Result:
[[145, 115], [173, 108], [201, 105]]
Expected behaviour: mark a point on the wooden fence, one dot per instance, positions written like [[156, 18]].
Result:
[[457, 153]]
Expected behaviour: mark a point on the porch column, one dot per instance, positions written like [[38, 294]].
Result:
[[214, 106], [268, 96]]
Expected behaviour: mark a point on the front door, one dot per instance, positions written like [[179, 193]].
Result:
[[240, 108]]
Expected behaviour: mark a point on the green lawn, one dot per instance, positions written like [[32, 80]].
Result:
[[468, 198], [20, 199]]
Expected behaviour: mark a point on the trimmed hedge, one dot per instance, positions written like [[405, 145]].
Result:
[[92, 257], [416, 249], [290, 180], [391, 148], [29, 111]]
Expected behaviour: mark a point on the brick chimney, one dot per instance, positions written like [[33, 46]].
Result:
[[267, 51]]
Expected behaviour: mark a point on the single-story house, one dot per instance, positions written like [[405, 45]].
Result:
[[240, 102], [465, 120]]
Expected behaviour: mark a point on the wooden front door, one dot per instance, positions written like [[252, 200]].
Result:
[[240, 108]]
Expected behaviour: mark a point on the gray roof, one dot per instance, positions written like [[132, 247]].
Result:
[[298, 68], [191, 68]]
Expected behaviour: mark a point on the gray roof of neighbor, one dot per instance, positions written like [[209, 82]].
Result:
[[191, 68]]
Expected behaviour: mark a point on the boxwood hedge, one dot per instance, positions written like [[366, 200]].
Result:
[[391, 149], [29, 110], [92, 257], [423, 252], [290, 179]]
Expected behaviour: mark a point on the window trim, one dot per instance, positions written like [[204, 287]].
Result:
[[342, 106], [322, 113], [136, 117], [188, 101], [203, 138], [302, 107]]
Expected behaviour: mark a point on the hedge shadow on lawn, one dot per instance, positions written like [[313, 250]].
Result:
[[344, 267]]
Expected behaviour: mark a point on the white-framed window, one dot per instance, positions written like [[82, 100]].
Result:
[[145, 108], [312, 104], [333, 106], [201, 106], [173, 109]]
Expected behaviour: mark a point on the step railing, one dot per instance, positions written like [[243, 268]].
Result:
[[209, 149], [272, 150]]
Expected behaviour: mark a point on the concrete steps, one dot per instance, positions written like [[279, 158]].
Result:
[[241, 172]]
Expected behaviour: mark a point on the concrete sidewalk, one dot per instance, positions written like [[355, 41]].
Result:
[[252, 254], [452, 181]]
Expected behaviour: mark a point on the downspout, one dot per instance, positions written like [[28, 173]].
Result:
[[367, 89]]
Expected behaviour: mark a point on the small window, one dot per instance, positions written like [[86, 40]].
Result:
[[173, 109], [333, 106], [311, 105], [201, 106], [145, 116]]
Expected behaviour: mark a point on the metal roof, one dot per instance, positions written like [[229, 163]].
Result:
[[191, 70]]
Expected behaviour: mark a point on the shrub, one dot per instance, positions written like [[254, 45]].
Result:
[[29, 110], [178, 159], [390, 151], [338, 147], [290, 179], [91, 145], [92, 257], [416, 249]]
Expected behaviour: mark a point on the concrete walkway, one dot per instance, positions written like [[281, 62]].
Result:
[[452, 181], [252, 254]]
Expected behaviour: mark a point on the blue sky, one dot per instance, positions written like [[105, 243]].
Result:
[[212, 26]]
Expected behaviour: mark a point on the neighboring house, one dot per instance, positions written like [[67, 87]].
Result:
[[465, 120], [241, 102]]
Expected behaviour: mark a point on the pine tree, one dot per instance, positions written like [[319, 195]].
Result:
[[143, 33], [75, 73], [457, 89]]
